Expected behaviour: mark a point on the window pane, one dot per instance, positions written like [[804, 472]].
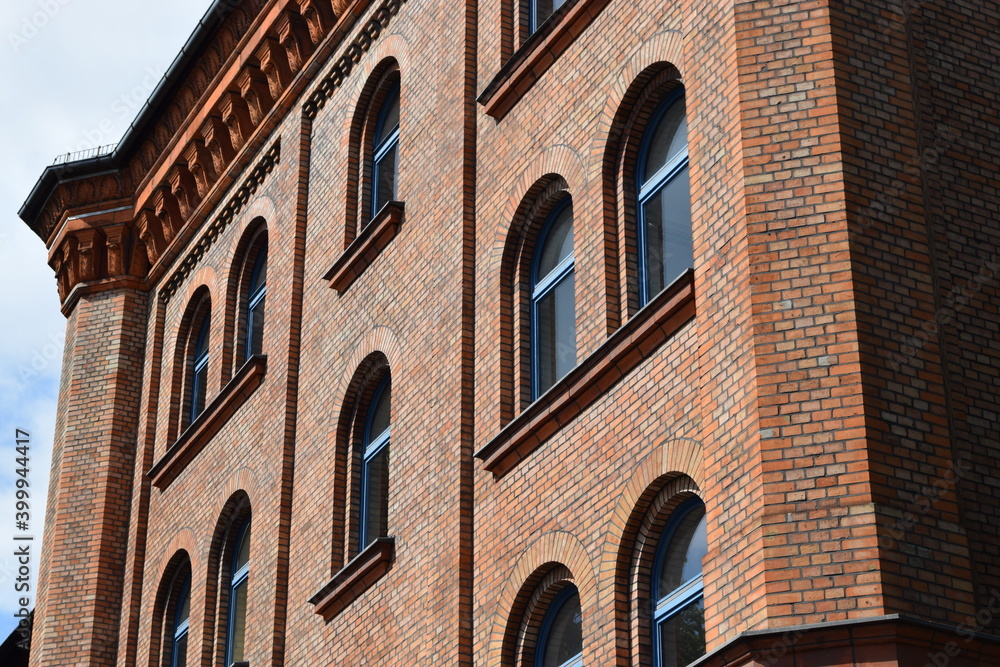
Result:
[[376, 502], [243, 557], [389, 118], [666, 219], [556, 334], [385, 180], [564, 640], [682, 636], [256, 328], [543, 9], [558, 243], [380, 415], [668, 139], [179, 655], [183, 608], [201, 346], [259, 275], [200, 383], [238, 621], [682, 561]]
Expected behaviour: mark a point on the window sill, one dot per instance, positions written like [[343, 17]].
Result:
[[634, 342], [209, 422], [372, 240], [354, 578], [537, 55]]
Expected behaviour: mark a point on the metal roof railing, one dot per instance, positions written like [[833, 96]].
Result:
[[86, 154]]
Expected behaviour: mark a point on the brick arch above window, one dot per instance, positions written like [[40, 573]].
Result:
[[635, 111], [559, 160], [527, 226], [175, 574], [534, 603], [645, 507], [256, 238], [377, 340], [184, 385], [554, 557]]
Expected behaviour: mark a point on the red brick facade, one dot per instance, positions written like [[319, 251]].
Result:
[[825, 379]]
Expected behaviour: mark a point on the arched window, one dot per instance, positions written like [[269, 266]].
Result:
[[560, 642], [238, 583], [553, 301], [198, 383], [375, 466], [182, 616], [678, 610], [385, 143], [255, 302], [664, 199]]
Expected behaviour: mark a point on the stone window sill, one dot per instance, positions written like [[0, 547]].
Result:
[[354, 578], [372, 240], [209, 422], [537, 55], [634, 342]]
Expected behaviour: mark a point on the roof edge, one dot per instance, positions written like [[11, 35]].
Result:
[[55, 174]]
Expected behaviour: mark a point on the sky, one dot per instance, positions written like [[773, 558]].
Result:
[[73, 75]]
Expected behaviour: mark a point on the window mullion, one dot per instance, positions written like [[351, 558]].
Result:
[[257, 297], [388, 143], [689, 592], [376, 446], [664, 175], [555, 276]]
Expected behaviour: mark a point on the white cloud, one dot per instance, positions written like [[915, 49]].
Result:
[[74, 74]]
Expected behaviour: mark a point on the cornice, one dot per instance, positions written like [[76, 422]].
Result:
[[236, 203], [253, 90], [342, 67], [161, 118]]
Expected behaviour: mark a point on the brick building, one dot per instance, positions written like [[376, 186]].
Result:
[[536, 333]]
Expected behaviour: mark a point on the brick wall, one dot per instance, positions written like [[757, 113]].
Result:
[[82, 563], [842, 163]]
